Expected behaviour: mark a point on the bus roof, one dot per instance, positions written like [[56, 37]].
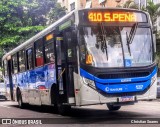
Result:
[[53, 26]]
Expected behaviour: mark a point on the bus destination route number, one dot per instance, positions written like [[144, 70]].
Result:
[[112, 17]]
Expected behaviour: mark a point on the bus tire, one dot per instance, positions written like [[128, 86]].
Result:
[[20, 101], [113, 107], [63, 109]]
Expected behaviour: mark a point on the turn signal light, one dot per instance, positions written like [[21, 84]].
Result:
[[89, 59]]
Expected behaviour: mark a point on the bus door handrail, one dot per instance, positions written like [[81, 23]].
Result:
[[61, 74]]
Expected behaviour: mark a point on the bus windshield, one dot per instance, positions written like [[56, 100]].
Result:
[[108, 46]]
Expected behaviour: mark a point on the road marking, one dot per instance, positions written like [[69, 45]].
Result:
[[4, 106]]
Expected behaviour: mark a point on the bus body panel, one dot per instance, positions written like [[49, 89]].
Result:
[[50, 79], [35, 85], [148, 95], [105, 90], [93, 97], [6, 81], [88, 95]]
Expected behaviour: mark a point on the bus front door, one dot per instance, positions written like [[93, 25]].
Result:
[[66, 65], [60, 70]]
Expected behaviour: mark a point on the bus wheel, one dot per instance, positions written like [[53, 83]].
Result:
[[113, 107], [20, 101], [63, 109]]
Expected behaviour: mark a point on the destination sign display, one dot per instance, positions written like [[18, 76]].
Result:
[[97, 16]]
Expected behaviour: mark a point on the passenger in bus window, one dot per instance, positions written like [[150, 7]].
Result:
[[22, 67], [52, 58]]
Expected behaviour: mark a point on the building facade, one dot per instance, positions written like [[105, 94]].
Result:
[[70, 4], [79, 4]]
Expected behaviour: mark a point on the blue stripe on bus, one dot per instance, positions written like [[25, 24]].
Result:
[[43, 76], [117, 85], [139, 79], [85, 74], [120, 88]]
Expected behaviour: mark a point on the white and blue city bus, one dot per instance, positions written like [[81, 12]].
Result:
[[88, 57]]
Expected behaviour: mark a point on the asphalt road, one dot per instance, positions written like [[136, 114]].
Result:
[[97, 115]]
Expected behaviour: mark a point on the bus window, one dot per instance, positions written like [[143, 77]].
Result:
[[15, 63], [5, 67], [39, 53], [29, 54], [59, 50], [21, 61], [71, 48], [49, 52]]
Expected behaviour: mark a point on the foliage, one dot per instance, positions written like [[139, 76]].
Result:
[[129, 4], [21, 19], [153, 10], [55, 14]]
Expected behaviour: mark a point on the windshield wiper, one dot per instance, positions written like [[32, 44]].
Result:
[[104, 45], [129, 38], [128, 44]]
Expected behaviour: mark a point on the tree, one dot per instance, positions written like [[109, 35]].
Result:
[[21, 19], [55, 14], [129, 4], [14, 24], [153, 10]]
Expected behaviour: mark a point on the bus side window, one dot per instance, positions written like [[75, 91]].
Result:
[[29, 56], [14, 63], [21, 61], [49, 49], [5, 67], [71, 51], [39, 53]]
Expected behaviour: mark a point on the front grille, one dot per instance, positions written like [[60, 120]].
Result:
[[123, 75]]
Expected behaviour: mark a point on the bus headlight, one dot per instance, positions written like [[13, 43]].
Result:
[[153, 79], [89, 82]]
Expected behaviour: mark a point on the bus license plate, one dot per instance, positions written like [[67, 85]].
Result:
[[126, 98]]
